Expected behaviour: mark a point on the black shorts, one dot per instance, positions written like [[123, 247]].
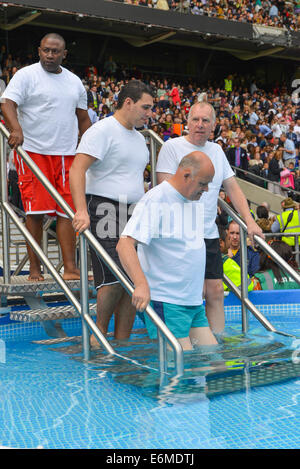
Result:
[[108, 219], [214, 264]]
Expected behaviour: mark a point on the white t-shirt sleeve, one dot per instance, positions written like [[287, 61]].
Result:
[[167, 161], [144, 222], [94, 142], [17, 88], [82, 100]]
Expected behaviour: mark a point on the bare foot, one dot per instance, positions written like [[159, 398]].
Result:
[[94, 342], [74, 275], [35, 277]]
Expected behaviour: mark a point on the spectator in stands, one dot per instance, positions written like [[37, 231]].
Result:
[[270, 276], [275, 167], [288, 221], [222, 215], [237, 157], [231, 268], [234, 249], [46, 133], [92, 113], [93, 97], [289, 151], [263, 220]]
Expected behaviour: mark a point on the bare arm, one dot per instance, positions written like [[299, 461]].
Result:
[[240, 203], [84, 121], [163, 177], [130, 261], [80, 165], [9, 111]]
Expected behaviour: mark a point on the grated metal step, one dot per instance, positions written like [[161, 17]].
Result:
[[48, 314], [20, 285]]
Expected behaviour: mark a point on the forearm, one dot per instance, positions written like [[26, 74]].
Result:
[[130, 261], [81, 163], [84, 121], [9, 111], [77, 187]]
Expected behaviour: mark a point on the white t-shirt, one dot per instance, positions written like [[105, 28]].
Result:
[[122, 156], [297, 132], [171, 249], [170, 155], [46, 108]]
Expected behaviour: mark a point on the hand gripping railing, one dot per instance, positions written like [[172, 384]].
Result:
[[83, 309]]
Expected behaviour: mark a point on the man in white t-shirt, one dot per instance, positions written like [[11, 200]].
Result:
[[169, 266], [44, 105], [106, 178], [201, 122]]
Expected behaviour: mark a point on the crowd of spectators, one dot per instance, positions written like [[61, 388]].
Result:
[[261, 125], [275, 13], [264, 125]]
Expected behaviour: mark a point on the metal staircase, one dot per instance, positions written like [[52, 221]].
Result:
[[79, 292], [34, 293]]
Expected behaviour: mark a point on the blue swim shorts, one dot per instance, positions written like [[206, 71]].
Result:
[[178, 318]]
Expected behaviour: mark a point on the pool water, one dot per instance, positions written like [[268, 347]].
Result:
[[242, 393]]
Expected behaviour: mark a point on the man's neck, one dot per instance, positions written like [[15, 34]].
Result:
[[121, 118], [197, 144]]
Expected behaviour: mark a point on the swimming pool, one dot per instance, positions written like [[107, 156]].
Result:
[[51, 398]]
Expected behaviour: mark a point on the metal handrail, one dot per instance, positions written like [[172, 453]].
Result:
[[154, 141], [243, 294], [162, 328], [249, 173], [265, 246]]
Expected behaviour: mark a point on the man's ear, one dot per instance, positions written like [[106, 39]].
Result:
[[187, 174]]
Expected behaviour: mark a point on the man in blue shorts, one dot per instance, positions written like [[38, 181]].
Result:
[[169, 264], [201, 123]]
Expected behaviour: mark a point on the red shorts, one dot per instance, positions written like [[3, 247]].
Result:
[[36, 200]]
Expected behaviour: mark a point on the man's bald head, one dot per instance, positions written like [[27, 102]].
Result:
[[197, 161], [194, 173]]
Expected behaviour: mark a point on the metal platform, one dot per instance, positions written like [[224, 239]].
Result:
[[20, 285], [48, 314]]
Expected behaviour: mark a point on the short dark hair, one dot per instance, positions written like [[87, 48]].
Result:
[[262, 212], [54, 36], [134, 90]]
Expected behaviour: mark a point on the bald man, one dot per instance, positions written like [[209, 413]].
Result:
[[168, 267], [201, 123]]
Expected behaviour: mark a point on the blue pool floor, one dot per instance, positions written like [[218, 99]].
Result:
[[51, 398]]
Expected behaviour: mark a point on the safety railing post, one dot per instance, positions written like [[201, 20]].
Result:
[[84, 296], [153, 150], [5, 219], [162, 352], [244, 280]]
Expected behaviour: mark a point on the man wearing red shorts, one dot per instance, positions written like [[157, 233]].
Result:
[[44, 105]]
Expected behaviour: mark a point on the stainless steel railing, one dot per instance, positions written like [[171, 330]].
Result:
[[242, 293], [164, 335]]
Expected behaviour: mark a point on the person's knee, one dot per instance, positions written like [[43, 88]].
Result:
[[214, 290]]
